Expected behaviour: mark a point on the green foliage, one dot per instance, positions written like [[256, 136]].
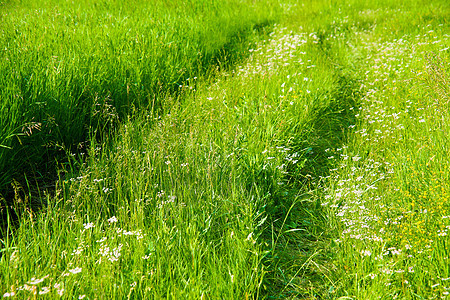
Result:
[[68, 67], [218, 160]]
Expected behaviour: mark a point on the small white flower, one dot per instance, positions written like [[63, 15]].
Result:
[[81, 296], [30, 288], [44, 290], [88, 225], [104, 250], [115, 253], [396, 251], [75, 271], [77, 251], [34, 281], [6, 295], [113, 219]]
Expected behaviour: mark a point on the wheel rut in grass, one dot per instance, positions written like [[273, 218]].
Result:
[[299, 261], [42, 142]]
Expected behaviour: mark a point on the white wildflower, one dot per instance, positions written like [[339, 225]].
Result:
[[75, 271], [113, 219], [34, 281], [44, 290], [6, 295], [88, 225]]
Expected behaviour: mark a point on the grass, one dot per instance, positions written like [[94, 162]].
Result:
[[388, 245], [68, 68], [393, 173], [308, 163]]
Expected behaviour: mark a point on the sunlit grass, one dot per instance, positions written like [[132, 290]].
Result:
[[316, 167], [70, 67], [388, 195]]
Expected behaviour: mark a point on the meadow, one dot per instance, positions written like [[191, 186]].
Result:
[[225, 149]]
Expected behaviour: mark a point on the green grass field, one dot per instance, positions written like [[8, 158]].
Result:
[[224, 149]]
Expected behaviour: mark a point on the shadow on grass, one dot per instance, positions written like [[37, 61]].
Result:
[[36, 154], [299, 262]]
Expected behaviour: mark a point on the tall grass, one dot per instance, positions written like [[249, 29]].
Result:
[[191, 188], [390, 191], [387, 195], [315, 168], [68, 67]]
